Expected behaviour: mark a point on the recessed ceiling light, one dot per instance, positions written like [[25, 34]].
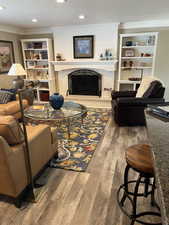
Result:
[[61, 1], [2, 7], [34, 20], [81, 17]]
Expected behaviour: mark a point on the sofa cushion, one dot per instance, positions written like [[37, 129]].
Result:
[[145, 84], [10, 130], [5, 96]]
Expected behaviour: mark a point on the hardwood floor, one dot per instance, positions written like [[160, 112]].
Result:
[[89, 198]]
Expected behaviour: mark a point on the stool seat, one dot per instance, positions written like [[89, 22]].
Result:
[[140, 158]]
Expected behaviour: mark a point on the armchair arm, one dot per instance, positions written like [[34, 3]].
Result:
[[12, 169], [138, 101], [12, 107], [119, 94]]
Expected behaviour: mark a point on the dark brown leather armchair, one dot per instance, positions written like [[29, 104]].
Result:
[[128, 110]]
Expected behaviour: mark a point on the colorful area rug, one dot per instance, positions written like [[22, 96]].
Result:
[[84, 139]]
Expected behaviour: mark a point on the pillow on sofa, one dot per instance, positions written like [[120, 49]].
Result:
[[5, 96], [10, 130], [12, 91], [145, 84]]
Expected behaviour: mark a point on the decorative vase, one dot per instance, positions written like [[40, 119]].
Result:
[[107, 54], [56, 100]]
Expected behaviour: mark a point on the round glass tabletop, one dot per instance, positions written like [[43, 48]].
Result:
[[46, 113]]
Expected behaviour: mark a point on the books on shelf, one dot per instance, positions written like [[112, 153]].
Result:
[[33, 55]]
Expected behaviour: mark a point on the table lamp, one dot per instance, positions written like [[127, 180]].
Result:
[[17, 70]]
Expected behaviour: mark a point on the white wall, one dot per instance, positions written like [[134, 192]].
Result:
[[105, 35]]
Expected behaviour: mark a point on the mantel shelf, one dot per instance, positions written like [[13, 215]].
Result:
[[109, 65]]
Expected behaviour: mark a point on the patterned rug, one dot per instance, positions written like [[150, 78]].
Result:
[[84, 139]]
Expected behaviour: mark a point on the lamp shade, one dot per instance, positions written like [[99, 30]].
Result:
[[17, 70]]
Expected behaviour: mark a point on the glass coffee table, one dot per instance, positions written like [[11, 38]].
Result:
[[45, 114]]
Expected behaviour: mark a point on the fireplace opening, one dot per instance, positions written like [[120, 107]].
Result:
[[84, 82]]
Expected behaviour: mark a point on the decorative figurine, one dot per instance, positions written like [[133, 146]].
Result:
[[101, 57], [107, 54], [59, 57], [110, 56]]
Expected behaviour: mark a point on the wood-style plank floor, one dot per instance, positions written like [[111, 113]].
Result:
[[89, 198]]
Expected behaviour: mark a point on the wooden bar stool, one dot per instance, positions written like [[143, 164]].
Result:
[[139, 158]]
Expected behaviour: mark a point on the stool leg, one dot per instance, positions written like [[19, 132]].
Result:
[[125, 185], [135, 199], [153, 201], [152, 194], [147, 183]]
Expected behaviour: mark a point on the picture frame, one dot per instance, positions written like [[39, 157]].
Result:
[[83, 46], [6, 56]]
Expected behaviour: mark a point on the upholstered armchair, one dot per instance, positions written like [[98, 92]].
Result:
[[42, 143], [128, 106]]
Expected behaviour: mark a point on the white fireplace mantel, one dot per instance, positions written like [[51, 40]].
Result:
[[64, 68], [108, 65]]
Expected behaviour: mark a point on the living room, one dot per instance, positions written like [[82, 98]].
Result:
[[83, 112]]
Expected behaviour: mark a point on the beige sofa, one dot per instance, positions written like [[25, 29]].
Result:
[[13, 176]]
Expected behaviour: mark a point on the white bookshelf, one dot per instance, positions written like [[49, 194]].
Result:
[[36, 54], [136, 58]]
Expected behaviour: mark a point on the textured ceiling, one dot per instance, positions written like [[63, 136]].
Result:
[[49, 13]]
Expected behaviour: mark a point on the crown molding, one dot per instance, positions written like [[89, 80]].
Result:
[[85, 25], [46, 30], [145, 24], [11, 29]]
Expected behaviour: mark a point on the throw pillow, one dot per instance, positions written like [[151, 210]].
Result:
[[10, 130], [11, 90], [5, 97]]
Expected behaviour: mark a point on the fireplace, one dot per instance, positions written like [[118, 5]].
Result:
[[84, 82]]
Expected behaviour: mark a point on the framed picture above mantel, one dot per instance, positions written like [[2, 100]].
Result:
[[6, 56], [83, 47]]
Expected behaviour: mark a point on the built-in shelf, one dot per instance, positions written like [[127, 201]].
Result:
[[137, 60], [138, 57], [36, 54], [43, 89], [139, 46], [139, 67], [35, 49], [37, 68], [37, 60], [41, 80], [129, 81]]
